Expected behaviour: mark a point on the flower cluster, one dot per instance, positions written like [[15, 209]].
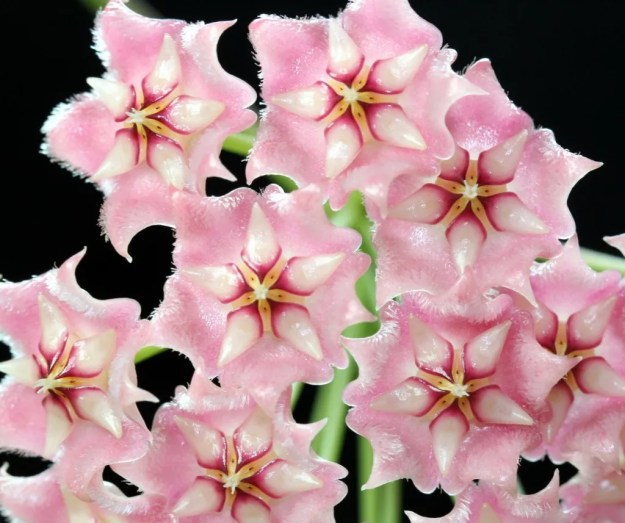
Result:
[[496, 340]]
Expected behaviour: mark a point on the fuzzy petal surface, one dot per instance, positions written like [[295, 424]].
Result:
[[91, 359], [411, 431], [265, 468], [379, 48], [168, 97], [282, 315]]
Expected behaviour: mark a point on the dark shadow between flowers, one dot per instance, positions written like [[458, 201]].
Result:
[[161, 375], [129, 489], [105, 274], [536, 475], [434, 505]]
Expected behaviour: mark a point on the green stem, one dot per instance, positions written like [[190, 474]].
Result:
[[601, 261], [389, 500], [147, 352], [367, 499], [296, 392], [239, 143], [354, 216], [138, 6], [329, 404]]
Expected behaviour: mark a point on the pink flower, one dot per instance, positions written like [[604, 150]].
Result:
[[235, 461], [617, 241], [28, 498], [498, 203], [451, 389], [596, 494], [581, 316], [349, 95], [275, 292], [155, 123], [73, 371], [489, 503]]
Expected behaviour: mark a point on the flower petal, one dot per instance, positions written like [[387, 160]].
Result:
[[390, 124], [560, 400], [187, 114], [222, 281], [393, 74], [431, 351], [293, 324], [594, 375], [345, 59], [545, 326], [482, 352], [208, 444], [280, 479], [205, 495], [303, 275], [498, 165], [466, 235], [117, 96], [122, 157], [254, 437], [428, 205], [585, 328], [412, 397], [448, 431], [58, 424], [343, 143], [313, 102], [167, 158], [165, 75], [508, 213], [54, 333], [244, 329], [23, 369], [90, 356], [491, 405], [262, 249], [248, 509], [455, 168], [618, 242], [94, 405]]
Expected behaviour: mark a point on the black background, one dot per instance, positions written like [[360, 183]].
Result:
[[560, 60]]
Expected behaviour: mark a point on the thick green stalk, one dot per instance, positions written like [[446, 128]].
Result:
[[367, 499], [329, 404], [147, 352], [296, 392], [389, 502], [239, 143], [600, 261]]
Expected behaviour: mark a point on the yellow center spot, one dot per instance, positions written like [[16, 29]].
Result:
[[352, 98], [233, 478], [455, 388], [469, 193], [263, 292]]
